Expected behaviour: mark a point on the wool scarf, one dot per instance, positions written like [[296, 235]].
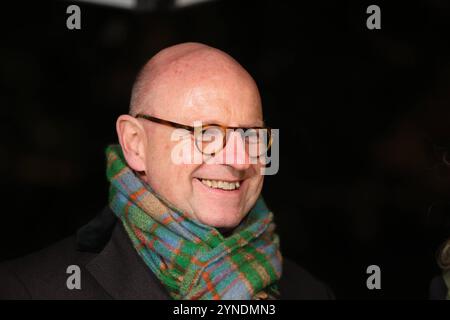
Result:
[[193, 260]]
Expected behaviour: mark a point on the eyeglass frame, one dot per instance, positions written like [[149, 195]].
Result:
[[194, 129]]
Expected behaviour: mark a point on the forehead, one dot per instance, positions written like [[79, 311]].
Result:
[[232, 101]]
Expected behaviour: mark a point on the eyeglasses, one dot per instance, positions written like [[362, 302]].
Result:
[[212, 138]]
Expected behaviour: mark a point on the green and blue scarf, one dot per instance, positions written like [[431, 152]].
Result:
[[191, 259]]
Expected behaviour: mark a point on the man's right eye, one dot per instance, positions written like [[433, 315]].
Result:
[[211, 134]]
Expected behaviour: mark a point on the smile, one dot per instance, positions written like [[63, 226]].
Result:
[[219, 184]]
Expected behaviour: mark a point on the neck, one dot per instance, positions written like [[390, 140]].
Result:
[[226, 232]]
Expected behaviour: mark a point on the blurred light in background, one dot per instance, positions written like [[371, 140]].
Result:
[[144, 5], [125, 4]]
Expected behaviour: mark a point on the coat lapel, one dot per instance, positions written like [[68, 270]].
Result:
[[119, 269]]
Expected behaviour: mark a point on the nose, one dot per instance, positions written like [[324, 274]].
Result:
[[234, 154]]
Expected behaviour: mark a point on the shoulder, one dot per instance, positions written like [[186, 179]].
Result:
[[42, 274], [297, 283]]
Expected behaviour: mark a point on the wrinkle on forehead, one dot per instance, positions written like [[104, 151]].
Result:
[[180, 74]]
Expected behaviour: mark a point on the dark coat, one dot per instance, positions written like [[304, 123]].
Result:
[[112, 269], [438, 288]]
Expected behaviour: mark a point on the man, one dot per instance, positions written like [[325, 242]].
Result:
[[176, 227], [440, 285]]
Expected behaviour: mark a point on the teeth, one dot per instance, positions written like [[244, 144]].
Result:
[[224, 185]]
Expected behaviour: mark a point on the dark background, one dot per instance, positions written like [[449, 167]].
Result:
[[363, 117]]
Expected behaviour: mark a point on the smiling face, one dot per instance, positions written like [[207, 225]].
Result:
[[197, 84]]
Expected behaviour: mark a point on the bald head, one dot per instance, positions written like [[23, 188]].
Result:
[[184, 67]]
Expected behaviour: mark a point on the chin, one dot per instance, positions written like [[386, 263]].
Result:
[[220, 219]]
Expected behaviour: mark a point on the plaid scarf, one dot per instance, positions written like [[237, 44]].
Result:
[[191, 259]]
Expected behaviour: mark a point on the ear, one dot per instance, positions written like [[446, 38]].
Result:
[[133, 141]]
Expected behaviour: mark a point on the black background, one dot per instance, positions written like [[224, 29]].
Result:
[[363, 117]]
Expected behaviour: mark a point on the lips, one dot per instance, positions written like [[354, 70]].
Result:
[[221, 184]]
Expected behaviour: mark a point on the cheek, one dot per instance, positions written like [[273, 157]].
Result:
[[182, 175], [258, 185], [255, 187], [174, 181], [257, 178], [179, 187], [158, 165]]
